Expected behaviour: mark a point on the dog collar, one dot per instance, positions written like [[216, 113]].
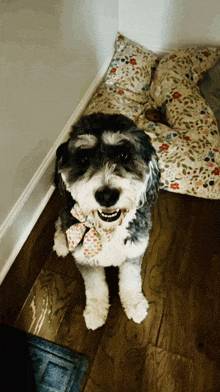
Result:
[[93, 239]]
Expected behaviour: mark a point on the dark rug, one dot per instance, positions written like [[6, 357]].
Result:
[[36, 365]]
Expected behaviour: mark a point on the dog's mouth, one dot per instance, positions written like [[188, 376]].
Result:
[[109, 215]]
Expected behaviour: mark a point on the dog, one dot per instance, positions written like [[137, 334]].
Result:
[[108, 171]]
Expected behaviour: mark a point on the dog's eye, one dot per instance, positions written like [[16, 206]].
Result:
[[85, 159], [124, 156], [84, 156]]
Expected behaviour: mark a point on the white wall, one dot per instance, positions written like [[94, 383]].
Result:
[[161, 25], [50, 53]]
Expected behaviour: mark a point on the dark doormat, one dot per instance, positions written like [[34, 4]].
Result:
[[35, 365]]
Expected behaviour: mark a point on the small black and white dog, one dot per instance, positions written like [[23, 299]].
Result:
[[109, 172]]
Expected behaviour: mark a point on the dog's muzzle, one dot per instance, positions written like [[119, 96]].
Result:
[[107, 197]]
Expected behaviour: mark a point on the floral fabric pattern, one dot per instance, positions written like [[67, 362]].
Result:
[[93, 238], [131, 66], [113, 99], [190, 162], [125, 88], [188, 149]]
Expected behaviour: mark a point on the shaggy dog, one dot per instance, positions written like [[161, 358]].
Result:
[[109, 173]]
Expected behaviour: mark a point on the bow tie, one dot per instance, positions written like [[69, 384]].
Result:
[[93, 239]]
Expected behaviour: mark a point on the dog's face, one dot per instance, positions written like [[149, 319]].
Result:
[[109, 166]]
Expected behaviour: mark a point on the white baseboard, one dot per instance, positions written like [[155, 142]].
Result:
[[25, 213]]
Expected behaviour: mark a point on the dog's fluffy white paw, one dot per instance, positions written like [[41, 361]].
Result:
[[60, 245], [137, 311], [95, 314], [61, 250]]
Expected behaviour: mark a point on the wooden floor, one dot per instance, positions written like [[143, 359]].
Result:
[[177, 347]]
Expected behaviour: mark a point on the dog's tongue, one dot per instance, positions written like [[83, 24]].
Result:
[[108, 211]]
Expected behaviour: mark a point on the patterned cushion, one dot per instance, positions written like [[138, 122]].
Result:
[[115, 100], [125, 88], [131, 66], [188, 149]]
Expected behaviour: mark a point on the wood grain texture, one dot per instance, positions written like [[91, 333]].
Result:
[[177, 347], [64, 266], [122, 350], [29, 262], [165, 371], [46, 305]]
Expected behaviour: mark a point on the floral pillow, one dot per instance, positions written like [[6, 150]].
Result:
[[125, 88], [114, 100], [188, 150], [131, 66]]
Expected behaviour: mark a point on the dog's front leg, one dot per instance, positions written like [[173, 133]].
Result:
[[130, 289], [60, 243], [97, 296]]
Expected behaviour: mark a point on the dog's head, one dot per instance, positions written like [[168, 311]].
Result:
[[109, 167]]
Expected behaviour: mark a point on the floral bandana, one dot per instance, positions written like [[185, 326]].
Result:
[[93, 239]]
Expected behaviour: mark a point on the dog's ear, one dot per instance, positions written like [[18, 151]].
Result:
[[153, 184], [61, 158], [148, 154]]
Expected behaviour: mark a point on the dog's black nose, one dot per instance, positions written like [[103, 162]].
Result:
[[106, 196]]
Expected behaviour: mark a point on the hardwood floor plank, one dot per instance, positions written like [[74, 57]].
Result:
[[205, 374], [62, 265], [206, 330], [186, 274], [170, 223], [46, 305], [165, 371], [121, 354], [29, 262], [190, 283]]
